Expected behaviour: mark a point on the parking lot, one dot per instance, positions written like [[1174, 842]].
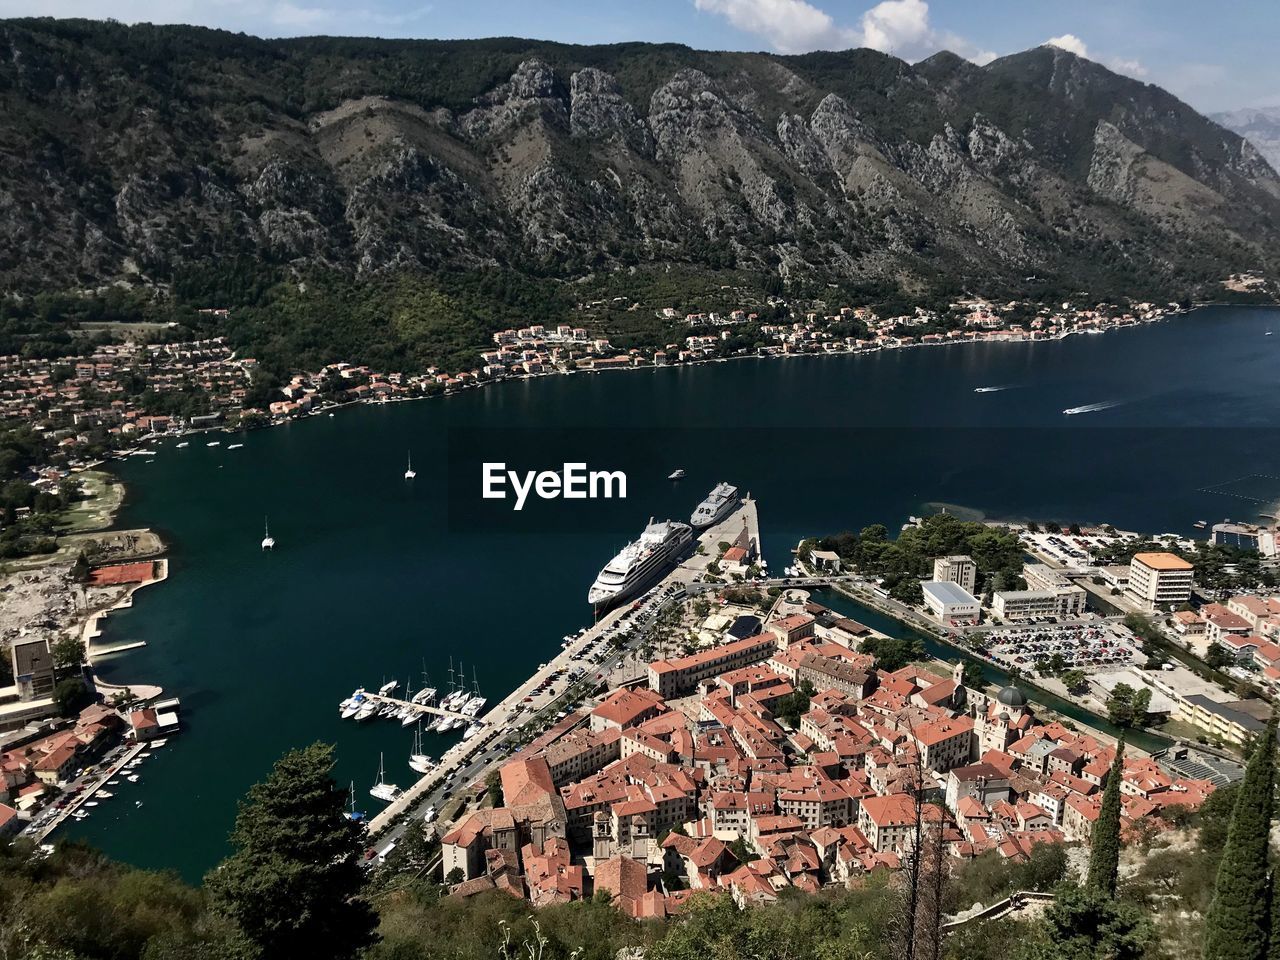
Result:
[[1085, 647], [1068, 549]]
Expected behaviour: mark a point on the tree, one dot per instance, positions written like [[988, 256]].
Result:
[[71, 696], [1236, 922], [293, 883], [1074, 679], [893, 653], [80, 569], [1083, 924], [971, 675], [68, 652], [1104, 844], [1127, 707], [454, 876], [493, 785], [1218, 656]]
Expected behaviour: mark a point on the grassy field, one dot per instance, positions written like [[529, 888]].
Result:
[[98, 511]]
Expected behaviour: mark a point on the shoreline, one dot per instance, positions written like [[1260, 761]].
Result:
[[1009, 337]]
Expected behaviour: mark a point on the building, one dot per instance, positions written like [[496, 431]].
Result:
[[32, 667], [960, 570], [1158, 580], [1013, 605], [626, 708], [949, 601], [669, 678]]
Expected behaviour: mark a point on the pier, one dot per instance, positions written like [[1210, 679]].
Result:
[[420, 707], [88, 792], [498, 721]]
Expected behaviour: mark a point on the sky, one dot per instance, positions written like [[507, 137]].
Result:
[[1215, 57]]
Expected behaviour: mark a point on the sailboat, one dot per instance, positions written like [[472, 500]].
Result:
[[419, 762], [410, 473], [268, 541], [381, 790], [352, 814]]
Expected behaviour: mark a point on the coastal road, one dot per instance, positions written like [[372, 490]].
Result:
[[600, 649]]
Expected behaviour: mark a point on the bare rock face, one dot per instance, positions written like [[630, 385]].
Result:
[[533, 92], [598, 111], [844, 167]]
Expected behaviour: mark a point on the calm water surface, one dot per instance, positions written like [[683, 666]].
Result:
[[374, 576]]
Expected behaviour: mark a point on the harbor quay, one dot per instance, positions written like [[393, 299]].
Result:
[[628, 623]]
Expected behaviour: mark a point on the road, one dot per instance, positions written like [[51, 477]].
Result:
[[612, 639]]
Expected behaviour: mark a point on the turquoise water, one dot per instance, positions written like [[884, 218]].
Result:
[[373, 576]]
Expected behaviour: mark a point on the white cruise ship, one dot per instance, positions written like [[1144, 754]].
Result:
[[639, 563], [718, 505]]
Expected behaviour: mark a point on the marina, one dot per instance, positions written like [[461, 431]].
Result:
[[426, 586]]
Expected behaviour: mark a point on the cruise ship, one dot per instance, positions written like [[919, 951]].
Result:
[[639, 563], [718, 505]]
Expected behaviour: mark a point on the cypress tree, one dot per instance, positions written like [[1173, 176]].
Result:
[[1236, 924], [293, 883], [1273, 950], [1104, 845]]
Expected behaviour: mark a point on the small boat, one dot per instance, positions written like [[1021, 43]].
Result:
[[419, 762], [235, 446], [133, 778], [1267, 334], [113, 783], [352, 814], [91, 803], [105, 794], [331, 414], [367, 710], [137, 803], [214, 443], [1200, 524], [386, 688], [184, 443], [268, 541], [159, 743], [676, 475], [381, 790], [410, 473]]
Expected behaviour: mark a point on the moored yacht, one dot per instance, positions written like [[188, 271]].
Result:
[[640, 562], [381, 790], [718, 505]]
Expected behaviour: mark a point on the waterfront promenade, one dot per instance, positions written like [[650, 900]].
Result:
[[634, 617]]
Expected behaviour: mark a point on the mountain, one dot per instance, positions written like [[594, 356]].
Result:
[[159, 155], [1260, 126]]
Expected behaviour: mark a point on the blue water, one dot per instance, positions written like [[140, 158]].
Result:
[[373, 576]]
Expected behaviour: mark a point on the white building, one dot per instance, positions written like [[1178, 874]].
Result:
[[1158, 580], [949, 601], [960, 570], [1013, 605]]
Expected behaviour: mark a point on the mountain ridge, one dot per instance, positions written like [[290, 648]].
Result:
[[140, 154]]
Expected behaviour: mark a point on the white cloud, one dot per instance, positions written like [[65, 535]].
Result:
[[790, 26], [899, 27], [1073, 44], [896, 25], [1069, 42]]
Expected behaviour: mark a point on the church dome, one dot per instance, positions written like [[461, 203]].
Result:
[[1011, 697]]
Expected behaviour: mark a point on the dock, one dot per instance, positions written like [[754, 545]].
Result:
[[87, 794], [420, 707]]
